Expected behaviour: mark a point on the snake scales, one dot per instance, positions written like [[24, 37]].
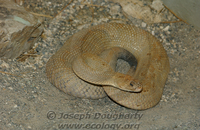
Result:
[[88, 58]]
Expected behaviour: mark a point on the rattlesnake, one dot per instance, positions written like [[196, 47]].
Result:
[[88, 58]]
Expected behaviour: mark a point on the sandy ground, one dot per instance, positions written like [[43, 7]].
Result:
[[30, 102]]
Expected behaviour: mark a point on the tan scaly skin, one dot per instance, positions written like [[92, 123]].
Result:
[[143, 88]]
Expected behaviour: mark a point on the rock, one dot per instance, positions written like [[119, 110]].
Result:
[[19, 29], [157, 5], [187, 10], [137, 9]]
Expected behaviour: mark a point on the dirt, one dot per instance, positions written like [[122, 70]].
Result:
[[30, 102]]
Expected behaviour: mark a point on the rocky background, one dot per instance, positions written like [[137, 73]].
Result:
[[30, 102]]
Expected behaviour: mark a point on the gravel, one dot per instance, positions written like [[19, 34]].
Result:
[[29, 101]]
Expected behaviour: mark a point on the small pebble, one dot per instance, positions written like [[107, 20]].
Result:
[[144, 24], [166, 28]]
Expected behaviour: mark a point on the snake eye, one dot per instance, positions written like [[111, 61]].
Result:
[[132, 83]]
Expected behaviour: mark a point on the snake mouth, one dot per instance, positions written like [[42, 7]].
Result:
[[132, 89]]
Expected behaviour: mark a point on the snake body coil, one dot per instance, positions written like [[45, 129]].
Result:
[[97, 47]]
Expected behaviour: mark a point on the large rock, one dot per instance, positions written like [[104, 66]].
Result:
[[187, 10], [19, 29]]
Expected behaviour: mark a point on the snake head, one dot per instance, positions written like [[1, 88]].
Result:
[[136, 86], [127, 83]]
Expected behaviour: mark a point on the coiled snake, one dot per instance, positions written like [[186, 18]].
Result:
[[88, 59]]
